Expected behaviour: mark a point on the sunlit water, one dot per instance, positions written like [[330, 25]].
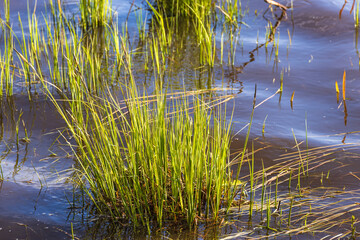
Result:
[[315, 47]]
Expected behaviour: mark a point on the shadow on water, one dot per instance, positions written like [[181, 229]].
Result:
[[22, 228], [25, 126], [32, 191]]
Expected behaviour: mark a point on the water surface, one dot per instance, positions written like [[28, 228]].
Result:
[[315, 47]]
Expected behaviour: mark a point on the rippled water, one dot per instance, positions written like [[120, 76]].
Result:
[[315, 47]]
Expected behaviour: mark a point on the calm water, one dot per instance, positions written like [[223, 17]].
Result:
[[315, 47]]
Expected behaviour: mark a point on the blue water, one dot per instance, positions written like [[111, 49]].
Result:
[[322, 47]]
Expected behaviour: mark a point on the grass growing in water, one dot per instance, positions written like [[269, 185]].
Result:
[[147, 160], [94, 13]]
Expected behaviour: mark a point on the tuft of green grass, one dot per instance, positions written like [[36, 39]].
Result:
[[148, 160]]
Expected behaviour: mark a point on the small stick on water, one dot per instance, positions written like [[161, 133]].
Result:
[[292, 99], [344, 86], [281, 80], [344, 97], [337, 91], [276, 212], [341, 10], [352, 7], [352, 174]]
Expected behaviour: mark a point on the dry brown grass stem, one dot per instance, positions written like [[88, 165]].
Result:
[[267, 98], [272, 2]]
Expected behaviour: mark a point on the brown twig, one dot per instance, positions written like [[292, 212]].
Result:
[[341, 10], [272, 2], [352, 7]]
